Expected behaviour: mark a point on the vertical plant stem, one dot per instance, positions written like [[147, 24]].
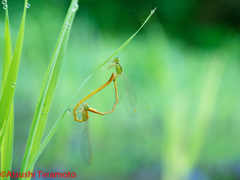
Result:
[[7, 145], [10, 83], [48, 89]]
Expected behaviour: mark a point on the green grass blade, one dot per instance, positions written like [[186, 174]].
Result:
[[48, 88], [9, 87], [7, 53], [7, 145], [124, 44], [54, 128], [207, 104]]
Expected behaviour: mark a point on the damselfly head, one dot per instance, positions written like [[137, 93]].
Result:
[[116, 59], [86, 106]]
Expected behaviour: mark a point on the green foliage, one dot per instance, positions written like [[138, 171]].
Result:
[[48, 88], [7, 144], [193, 93], [9, 86]]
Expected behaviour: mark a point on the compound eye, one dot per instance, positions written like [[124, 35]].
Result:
[[116, 59], [86, 106]]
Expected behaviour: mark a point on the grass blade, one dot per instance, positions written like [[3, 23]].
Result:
[[207, 104], [7, 145], [54, 128], [7, 53], [124, 44], [48, 89], [9, 87]]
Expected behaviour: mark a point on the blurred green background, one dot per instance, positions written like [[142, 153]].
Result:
[[185, 62]]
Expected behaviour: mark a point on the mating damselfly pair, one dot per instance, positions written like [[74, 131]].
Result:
[[124, 91]]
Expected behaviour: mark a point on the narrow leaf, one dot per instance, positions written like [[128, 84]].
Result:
[[48, 89], [7, 145], [9, 87]]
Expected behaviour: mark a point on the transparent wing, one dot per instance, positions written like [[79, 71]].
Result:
[[128, 97], [86, 150], [136, 97]]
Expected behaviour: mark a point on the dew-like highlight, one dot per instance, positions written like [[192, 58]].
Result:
[[4, 1], [67, 25], [75, 8], [13, 84], [5, 6], [28, 5]]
